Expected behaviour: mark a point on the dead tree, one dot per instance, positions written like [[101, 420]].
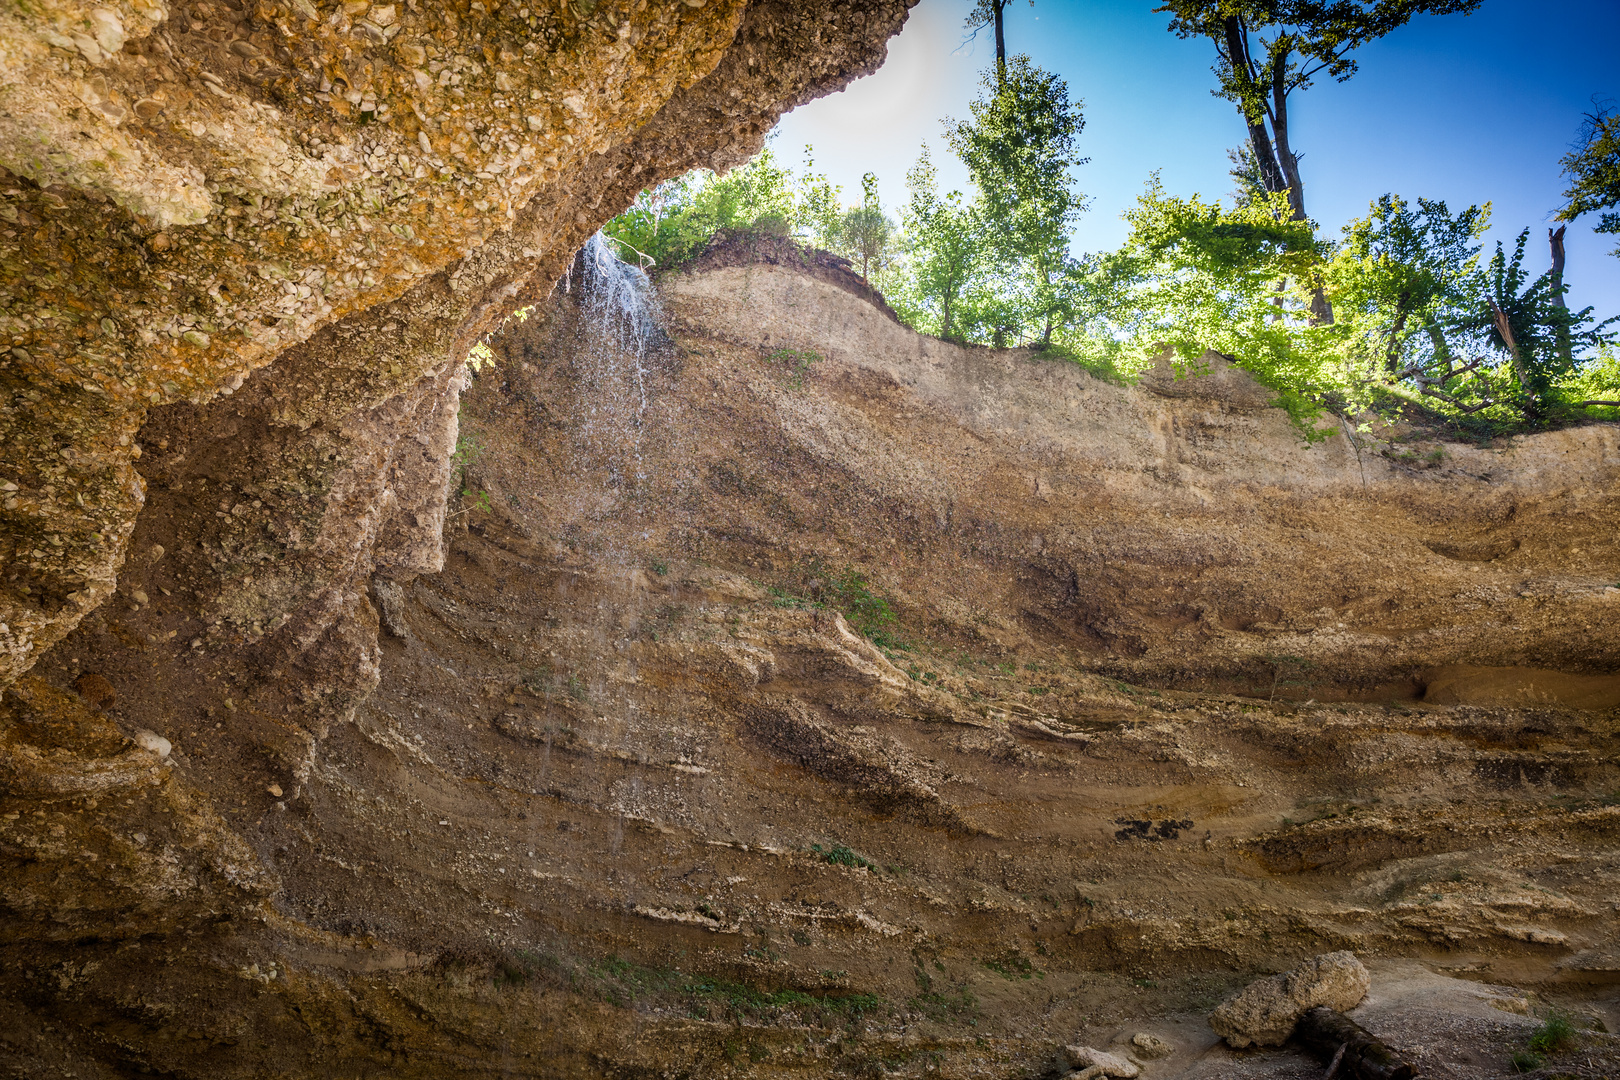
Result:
[[1350, 1049]]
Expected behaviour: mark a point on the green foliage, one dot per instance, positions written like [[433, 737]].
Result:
[[625, 983], [848, 592], [1555, 1035], [1593, 168], [1194, 275], [819, 219], [797, 361], [1402, 274], [673, 221], [1597, 380], [1292, 42], [1543, 343], [1526, 1060], [1013, 967], [1248, 182], [1411, 297], [1019, 148], [944, 258], [868, 611], [469, 448], [1406, 286], [839, 855], [1308, 37], [866, 230]]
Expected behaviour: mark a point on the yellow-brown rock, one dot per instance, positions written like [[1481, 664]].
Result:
[[189, 193]]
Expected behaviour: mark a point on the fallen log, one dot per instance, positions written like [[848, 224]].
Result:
[[1353, 1051]]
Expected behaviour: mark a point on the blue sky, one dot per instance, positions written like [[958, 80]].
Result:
[[1467, 109]]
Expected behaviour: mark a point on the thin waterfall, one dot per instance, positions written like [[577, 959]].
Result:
[[618, 303]]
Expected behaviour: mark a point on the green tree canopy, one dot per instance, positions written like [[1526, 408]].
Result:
[[672, 221], [1593, 168], [1019, 147], [1267, 49], [944, 261], [1404, 276], [865, 229]]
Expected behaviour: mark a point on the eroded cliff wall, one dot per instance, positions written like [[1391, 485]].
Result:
[[650, 785]]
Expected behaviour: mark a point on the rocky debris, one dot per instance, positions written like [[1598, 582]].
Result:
[[1151, 1046], [1089, 1062], [1265, 1012], [390, 599]]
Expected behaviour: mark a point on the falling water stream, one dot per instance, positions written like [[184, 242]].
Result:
[[621, 306], [618, 331]]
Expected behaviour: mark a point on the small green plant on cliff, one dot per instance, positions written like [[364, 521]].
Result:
[[1555, 1035], [469, 449], [941, 1006], [624, 983], [476, 499], [846, 591], [797, 362], [1012, 967], [867, 610], [1286, 672], [839, 855]]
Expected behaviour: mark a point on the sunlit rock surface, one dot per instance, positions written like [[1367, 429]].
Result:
[[642, 782], [350, 193]]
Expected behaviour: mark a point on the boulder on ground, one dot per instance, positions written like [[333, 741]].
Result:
[[1086, 1059], [1151, 1046], [1266, 1011]]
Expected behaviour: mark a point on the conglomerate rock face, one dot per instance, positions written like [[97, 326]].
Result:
[[809, 696], [350, 193]]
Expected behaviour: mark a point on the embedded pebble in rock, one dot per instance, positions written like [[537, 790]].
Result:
[[1265, 1012], [1093, 1062], [154, 743]]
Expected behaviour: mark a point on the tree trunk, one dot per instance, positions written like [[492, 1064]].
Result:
[[1356, 1053], [1288, 164], [1001, 39], [1505, 330], [1555, 238], [1286, 160], [1237, 48], [1392, 356]]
